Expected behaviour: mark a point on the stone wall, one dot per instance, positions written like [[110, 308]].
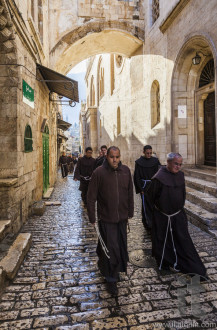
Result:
[[21, 173], [182, 28]]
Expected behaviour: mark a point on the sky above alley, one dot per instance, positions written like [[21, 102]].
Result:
[[76, 73]]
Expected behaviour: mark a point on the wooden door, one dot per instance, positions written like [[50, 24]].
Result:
[[210, 130], [45, 162]]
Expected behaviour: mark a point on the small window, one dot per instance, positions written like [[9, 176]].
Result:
[[92, 92], [28, 139], [100, 128], [40, 19], [118, 121], [101, 82], [112, 73], [155, 104], [155, 10], [46, 130], [32, 10]]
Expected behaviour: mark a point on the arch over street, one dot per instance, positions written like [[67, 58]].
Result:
[[95, 38]]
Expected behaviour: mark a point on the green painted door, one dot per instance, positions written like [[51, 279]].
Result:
[[45, 139]]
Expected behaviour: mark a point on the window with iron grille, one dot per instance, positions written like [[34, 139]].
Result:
[[208, 74], [155, 10], [28, 139]]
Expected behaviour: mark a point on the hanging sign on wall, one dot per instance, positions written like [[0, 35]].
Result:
[[182, 111], [28, 94]]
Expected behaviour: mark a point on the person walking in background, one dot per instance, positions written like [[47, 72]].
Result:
[[171, 243], [63, 164], [70, 163], [112, 188], [99, 160], [145, 167], [83, 172]]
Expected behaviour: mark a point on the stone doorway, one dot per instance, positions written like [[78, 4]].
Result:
[[209, 131], [193, 90]]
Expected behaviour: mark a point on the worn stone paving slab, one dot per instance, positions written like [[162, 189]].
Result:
[[58, 286]]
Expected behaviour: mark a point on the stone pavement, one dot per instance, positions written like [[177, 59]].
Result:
[[59, 286]]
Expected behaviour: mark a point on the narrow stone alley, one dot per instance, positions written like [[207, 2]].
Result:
[[59, 286]]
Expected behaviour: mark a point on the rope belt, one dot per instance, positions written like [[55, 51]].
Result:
[[86, 178], [169, 216], [143, 197], [104, 247]]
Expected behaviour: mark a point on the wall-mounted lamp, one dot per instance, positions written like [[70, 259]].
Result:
[[196, 59]]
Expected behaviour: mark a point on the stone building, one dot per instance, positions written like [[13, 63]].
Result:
[[29, 108], [164, 95], [146, 89]]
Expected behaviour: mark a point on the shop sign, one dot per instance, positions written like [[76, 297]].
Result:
[[28, 94]]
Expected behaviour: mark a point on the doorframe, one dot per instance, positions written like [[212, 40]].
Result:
[[201, 95]]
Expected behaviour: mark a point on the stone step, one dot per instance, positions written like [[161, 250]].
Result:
[[201, 218], [207, 201], [48, 193], [5, 226], [207, 168], [207, 175], [201, 185], [38, 208], [16, 254]]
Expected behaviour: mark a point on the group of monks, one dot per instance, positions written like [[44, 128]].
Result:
[[108, 182], [67, 164]]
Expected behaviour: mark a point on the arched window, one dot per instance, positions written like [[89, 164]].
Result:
[[100, 128], [118, 120], [101, 82], [92, 92], [155, 10], [112, 73], [155, 103], [40, 19], [46, 130], [207, 75], [28, 139], [33, 9]]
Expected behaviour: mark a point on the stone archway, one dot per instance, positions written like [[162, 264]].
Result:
[[95, 38], [81, 29], [188, 99]]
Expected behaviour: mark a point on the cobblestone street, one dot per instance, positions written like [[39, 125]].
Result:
[[59, 286]]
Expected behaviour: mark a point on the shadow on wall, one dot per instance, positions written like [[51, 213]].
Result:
[[132, 148]]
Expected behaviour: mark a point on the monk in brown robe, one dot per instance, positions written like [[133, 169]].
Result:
[[171, 243], [111, 186], [145, 168], [83, 172], [63, 164], [99, 160]]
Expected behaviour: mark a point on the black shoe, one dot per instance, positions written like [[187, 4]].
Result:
[[112, 288]]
